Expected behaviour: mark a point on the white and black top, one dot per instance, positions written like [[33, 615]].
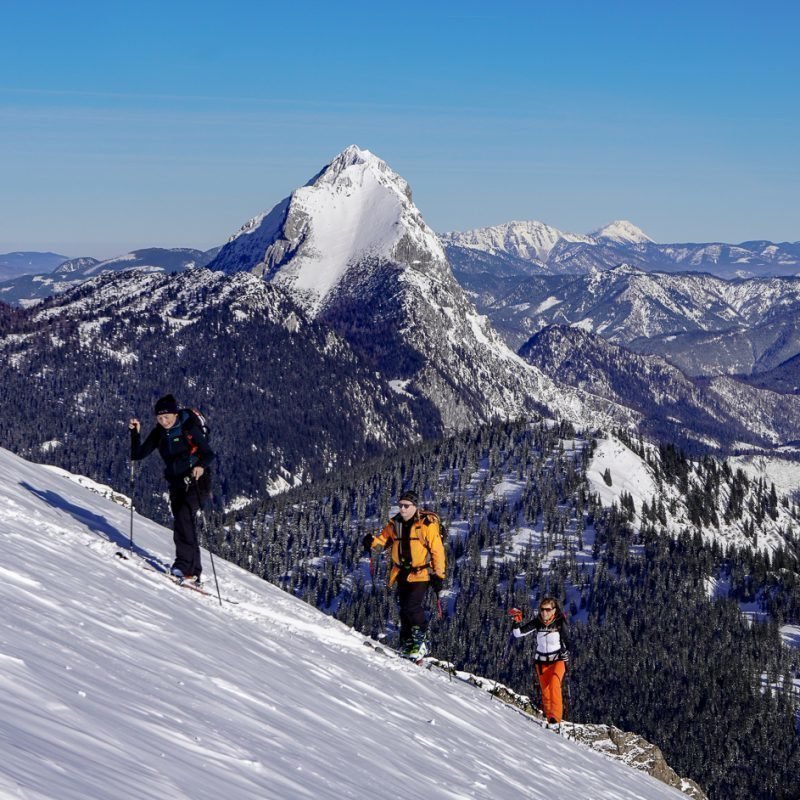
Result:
[[552, 638]]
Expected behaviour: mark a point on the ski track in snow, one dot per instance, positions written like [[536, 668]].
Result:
[[115, 682]]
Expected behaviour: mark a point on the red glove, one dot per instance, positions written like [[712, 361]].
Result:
[[515, 614]]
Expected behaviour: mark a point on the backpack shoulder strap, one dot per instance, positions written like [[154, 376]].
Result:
[[200, 418], [194, 417]]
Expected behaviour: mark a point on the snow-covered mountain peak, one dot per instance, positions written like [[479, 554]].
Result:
[[353, 251], [75, 265], [354, 213], [622, 231], [529, 239], [363, 161]]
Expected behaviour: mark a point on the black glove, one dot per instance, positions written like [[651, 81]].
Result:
[[436, 583], [565, 656], [367, 542]]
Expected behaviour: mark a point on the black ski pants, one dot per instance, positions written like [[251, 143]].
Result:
[[185, 500], [411, 597]]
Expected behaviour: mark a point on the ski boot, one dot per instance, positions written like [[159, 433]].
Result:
[[177, 574], [419, 646]]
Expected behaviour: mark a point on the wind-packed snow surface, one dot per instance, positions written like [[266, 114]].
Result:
[[114, 682]]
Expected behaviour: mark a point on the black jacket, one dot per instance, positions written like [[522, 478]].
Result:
[[182, 447]]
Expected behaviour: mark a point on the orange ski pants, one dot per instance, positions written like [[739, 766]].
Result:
[[551, 676]]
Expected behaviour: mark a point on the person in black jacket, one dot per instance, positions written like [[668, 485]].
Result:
[[551, 656], [180, 440]]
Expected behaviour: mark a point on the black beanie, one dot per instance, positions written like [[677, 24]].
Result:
[[166, 405], [410, 496]]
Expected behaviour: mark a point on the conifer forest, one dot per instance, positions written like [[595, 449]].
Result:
[[653, 651], [660, 645]]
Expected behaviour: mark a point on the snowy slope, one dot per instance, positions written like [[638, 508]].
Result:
[[630, 474], [116, 683], [783, 472]]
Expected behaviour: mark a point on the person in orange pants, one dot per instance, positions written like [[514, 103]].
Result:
[[551, 656], [551, 678]]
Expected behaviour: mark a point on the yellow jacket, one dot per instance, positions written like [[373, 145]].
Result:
[[425, 544]]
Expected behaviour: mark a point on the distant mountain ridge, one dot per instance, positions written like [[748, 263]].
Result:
[[80, 265], [12, 265], [516, 248], [369, 282], [545, 249], [526, 240], [701, 323], [30, 289], [673, 407]]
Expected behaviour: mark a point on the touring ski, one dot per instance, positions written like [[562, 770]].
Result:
[[188, 584]]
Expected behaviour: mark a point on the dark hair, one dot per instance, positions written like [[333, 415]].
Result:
[[548, 598]]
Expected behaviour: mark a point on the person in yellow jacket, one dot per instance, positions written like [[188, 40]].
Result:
[[418, 561]]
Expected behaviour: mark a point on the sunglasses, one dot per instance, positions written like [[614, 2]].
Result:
[[406, 505], [547, 608]]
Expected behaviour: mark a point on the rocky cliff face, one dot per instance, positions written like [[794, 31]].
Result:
[[636, 752], [629, 748], [673, 406], [703, 324]]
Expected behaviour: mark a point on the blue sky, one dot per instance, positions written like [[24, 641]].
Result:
[[126, 125]]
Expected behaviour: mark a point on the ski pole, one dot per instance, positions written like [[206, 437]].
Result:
[[120, 553], [569, 700], [201, 514], [450, 665], [516, 616], [373, 573], [507, 648], [132, 486], [210, 551]]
